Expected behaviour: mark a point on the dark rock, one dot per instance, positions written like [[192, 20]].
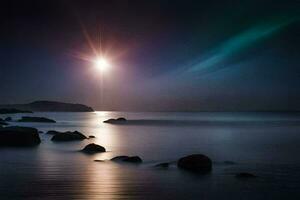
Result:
[[36, 119], [19, 136], [12, 111], [99, 160], [41, 132], [195, 163], [119, 158], [109, 121], [91, 136], [93, 148], [162, 165], [115, 121], [8, 119], [2, 123], [133, 159], [51, 132], [68, 136], [245, 175], [121, 119], [128, 159]]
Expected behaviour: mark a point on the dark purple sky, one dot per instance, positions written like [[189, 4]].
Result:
[[165, 55]]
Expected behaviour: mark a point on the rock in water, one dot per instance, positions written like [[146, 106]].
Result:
[[2, 123], [68, 136], [51, 132], [91, 136], [128, 159], [119, 158], [36, 119], [195, 163], [115, 121], [8, 119], [121, 119], [162, 165], [93, 148], [15, 136]]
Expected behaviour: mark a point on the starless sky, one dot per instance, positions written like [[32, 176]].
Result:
[[165, 55]]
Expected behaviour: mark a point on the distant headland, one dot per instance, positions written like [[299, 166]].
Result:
[[48, 106]]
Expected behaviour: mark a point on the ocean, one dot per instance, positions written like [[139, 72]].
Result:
[[266, 144]]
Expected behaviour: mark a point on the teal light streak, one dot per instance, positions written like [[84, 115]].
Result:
[[238, 43]]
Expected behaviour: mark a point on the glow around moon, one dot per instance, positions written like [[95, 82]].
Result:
[[102, 64]]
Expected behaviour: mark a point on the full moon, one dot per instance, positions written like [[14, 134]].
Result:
[[101, 64]]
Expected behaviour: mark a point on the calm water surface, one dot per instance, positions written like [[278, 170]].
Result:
[[266, 144]]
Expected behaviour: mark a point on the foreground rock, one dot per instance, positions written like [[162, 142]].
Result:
[[115, 121], [127, 159], [15, 136], [245, 175], [36, 119], [93, 148], [195, 163], [68, 136]]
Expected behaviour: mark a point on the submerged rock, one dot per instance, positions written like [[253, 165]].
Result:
[[115, 121], [195, 163], [129, 159], [245, 175], [91, 136], [162, 165], [8, 119], [93, 148], [68, 136], [19, 136], [36, 119]]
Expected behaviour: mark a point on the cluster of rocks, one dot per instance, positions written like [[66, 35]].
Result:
[[4, 122], [15, 136]]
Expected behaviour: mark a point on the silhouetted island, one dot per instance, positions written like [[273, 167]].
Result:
[[12, 111], [47, 106]]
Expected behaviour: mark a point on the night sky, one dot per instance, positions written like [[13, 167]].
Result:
[[165, 55]]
